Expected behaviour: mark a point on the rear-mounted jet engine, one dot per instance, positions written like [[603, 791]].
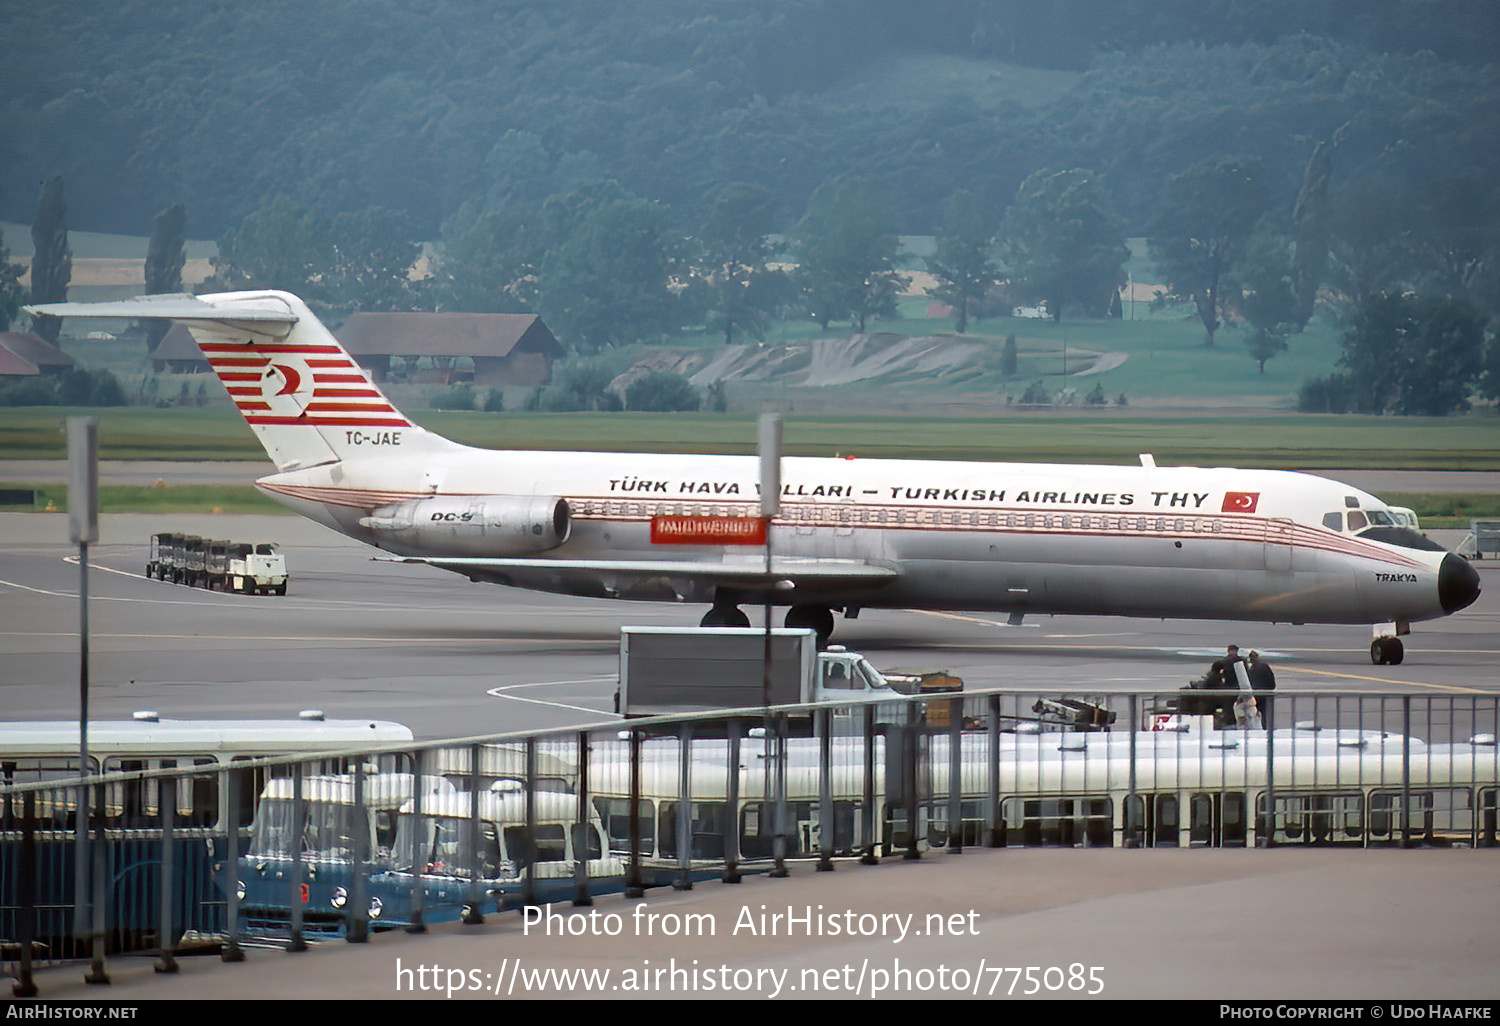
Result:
[[473, 525]]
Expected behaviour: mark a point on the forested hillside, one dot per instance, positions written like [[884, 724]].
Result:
[[422, 106]]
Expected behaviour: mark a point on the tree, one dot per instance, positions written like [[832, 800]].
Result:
[[1307, 265], [486, 265], [1414, 354], [1489, 381], [374, 252], [12, 295], [1371, 241], [578, 385], [1010, 358], [963, 264], [52, 260], [718, 398], [662, 392], [282, 245], [847, 243], [1062, 244], [1454, 234], [166, 255], [1199, 231], [1268, 294], [740, 290], [610, 262]]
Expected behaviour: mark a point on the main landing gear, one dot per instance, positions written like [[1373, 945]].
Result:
[[726, 613]]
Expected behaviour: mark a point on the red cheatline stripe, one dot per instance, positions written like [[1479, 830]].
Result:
[[349, 500], [325, 422], [340, 379], [349, 407]]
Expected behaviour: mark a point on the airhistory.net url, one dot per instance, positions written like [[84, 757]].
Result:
[[671, 976]]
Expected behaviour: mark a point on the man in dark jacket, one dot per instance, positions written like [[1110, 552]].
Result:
[[1221, 677], [1261, 679]]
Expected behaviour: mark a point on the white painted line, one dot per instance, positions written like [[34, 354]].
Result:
[[503, 692]]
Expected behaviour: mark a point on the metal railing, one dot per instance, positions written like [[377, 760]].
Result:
[[281, 851]]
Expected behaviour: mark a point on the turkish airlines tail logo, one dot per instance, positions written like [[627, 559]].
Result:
[[1240, 502]]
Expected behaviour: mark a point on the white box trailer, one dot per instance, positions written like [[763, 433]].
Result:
[[669, 670]]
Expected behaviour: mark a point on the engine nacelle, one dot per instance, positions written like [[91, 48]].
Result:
[[473, 525]]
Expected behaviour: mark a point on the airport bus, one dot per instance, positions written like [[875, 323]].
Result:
[[1181, 783], [202, 775]]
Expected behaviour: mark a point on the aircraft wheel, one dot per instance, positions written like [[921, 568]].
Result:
[[819, 618], [1385, 651], [725, 616]]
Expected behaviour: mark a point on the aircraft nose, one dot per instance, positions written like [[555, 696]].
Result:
[[1458, 583]]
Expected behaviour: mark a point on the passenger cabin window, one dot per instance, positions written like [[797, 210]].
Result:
[[1333, 521]]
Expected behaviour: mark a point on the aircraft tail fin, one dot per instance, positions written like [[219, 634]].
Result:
[[303, 395]]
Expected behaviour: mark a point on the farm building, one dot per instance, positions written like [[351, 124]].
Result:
[[23, 354], [178, 353], [486, 348]]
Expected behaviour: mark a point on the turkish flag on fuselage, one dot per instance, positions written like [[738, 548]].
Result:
[[1240, 502]]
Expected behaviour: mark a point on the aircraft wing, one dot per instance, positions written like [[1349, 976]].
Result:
[[177, 307], [799, 571]]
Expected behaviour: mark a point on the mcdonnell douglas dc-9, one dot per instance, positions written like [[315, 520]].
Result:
[[1013, 538]]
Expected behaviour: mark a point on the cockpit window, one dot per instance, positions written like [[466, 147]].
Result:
[[1404, 537], [1357, 521], [1380, 518], [1333, 521]]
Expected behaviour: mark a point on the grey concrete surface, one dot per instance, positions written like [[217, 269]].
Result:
[[450, 658], [1204, 924]]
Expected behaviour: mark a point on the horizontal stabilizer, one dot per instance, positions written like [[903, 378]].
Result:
[[176, 306], [806, 571]]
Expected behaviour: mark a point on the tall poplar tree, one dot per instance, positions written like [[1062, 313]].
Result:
[[165, 257], [52, 262]]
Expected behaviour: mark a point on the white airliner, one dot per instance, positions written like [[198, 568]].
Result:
[[1016, 538]]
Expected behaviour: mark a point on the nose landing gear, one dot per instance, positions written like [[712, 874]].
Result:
[[1387, 649]]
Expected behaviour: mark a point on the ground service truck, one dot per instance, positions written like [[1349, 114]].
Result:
[[248, 567], [667, 670]]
